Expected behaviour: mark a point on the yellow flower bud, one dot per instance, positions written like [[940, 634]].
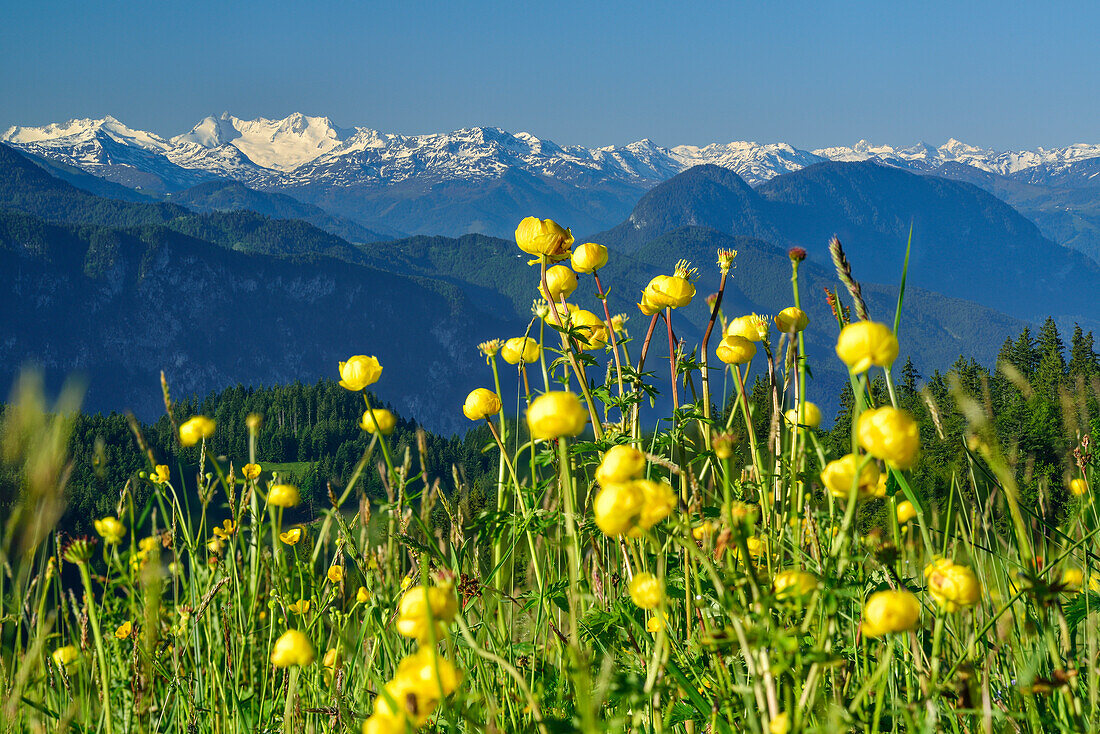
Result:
[[386, 421], [251, 471], [952, 585], [412, 612], [791, 320], [556, 414], [284, 495], [544, 238], [811, 415], [330, 659], [668, 291], [359, 371], [381, 724], [362, 596], [751, 327], [123, 631], [781, 724], [292, 536], [906, 511], [889, 434], [335, 574], [793, 584], [589, 257], [481, 403], [839, 475], [617, 507], [292, 648], [646, 591], [63, 657], [890, 611], [111, 530], [735, 350], [521, 349], [561, 281], [594, 333], [620, 464], [658, 502], [866, 343], [1078, 487], [196, 429]]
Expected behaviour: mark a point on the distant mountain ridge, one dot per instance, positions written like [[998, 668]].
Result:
[[482, 179]]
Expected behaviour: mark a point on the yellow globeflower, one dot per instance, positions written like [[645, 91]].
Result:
[[421, 681], [793, 584], [111, 530], [481, 403], [362, 596], [594, 333], [866, 343], [617, 507], [379, 724], [544, 238], [1078, 487], [889, 434], [292, 536], [335, 574], [251, 471], [735, 350], [589, 257], [646, 591], [556, 414], [791, 320], [839, 475], [648, 307], [751, 327], [561, 281], [284, 495], [952, 585], [160, 474], [521, 349], [412, 612], [658, 502], [359, 371], [196, 429], [811, 415], [906, 511], [385, 419], [63, 657], [292, 648], [890, 611], [123, 631], [620, 464], [669, 291]]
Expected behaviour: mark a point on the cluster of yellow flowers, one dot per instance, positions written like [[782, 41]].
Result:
[[626, 503]]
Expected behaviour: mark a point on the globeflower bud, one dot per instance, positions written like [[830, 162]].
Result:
[[811, 415], [359, 371], [791, 320], [481, 403], [617, 507], [284, 495], [793, 584], [292, 648], [646, 591], [658, 502], [952, 586], [544, 238], [906, 512], [592, 327], [620, 464], [889, 434], [196, 429], [561, 282], [556, 414], [589, 257], [63, 657], [735, 350], [1078, 487], [890, 611], [386, 421], [520, 349], [111, 530], [866, 343], [413, 611], [752, 327], [839, 476]]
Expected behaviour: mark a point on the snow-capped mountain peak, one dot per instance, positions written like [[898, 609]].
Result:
[[279, 145]]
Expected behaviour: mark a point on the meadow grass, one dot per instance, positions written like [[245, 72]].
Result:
[[713, 573]]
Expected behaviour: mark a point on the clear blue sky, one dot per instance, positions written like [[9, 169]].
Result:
[[809, 73]]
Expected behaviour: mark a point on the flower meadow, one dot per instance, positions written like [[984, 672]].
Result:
[[716, 569]]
